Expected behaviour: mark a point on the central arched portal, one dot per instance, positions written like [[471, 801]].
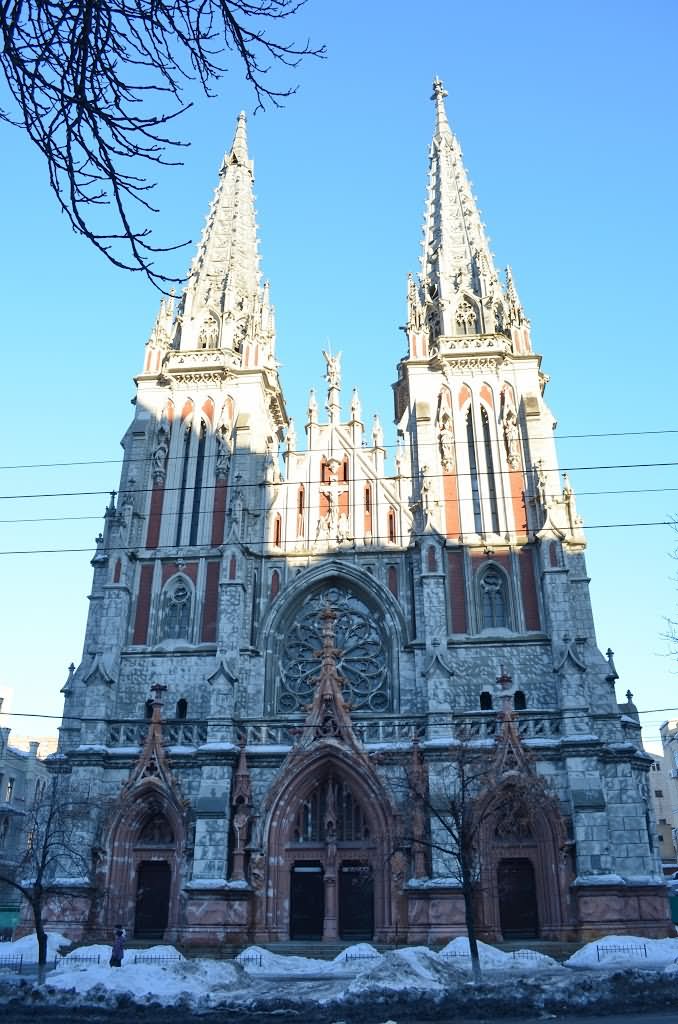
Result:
[[329, 845]]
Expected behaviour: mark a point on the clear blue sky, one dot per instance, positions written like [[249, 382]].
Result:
[[567, 118]]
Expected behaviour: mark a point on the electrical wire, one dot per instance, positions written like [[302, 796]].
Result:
[[295, 483], [421, 444]]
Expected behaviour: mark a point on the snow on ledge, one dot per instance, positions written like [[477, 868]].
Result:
[[208, 884], [433, 883]]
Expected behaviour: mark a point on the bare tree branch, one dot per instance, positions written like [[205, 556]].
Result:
[[96, 84]]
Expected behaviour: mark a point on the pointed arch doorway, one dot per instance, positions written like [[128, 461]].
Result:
[[329, 841]]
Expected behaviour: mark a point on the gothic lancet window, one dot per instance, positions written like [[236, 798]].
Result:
[[176, 610], [391, 525], [184, 482], [473, 467], [493, 610], [489, 463], [197, 485], [311, 820], [182, 708]]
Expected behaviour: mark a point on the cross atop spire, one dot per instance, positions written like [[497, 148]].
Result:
[[438, 95]]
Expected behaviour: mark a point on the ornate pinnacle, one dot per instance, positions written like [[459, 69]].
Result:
[[439, 94]]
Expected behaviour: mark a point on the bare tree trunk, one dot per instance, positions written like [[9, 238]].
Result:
[[469, 912]]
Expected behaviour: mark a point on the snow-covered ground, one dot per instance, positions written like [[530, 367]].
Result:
[[259, 980]]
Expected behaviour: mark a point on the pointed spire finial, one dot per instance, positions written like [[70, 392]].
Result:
[[438, 95], [238, 152]]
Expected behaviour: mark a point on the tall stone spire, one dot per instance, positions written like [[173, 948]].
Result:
[[224, 305], [459, 290]]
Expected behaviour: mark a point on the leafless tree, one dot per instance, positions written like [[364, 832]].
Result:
[[474, 786], [95, 84], [50, 853]]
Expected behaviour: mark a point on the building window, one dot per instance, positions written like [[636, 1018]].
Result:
[[197, 486], [277, 531], [182, 708], [148, 710], [489, 463], [519, 700], [300, 510], [493, 599], [10, 791], [391, 525], [176, 616], [473, 469], [4, 829], [657, 792], [485, 701]]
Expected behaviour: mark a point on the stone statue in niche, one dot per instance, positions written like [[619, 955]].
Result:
[[223, 452], [160, 453], [427, 500], [512, 438], [541, 484], [446, 438]]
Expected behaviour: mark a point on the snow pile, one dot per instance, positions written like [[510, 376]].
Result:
[[353, 956], [414, 969], [258, 960], [27, 947], [629, 951], [197, 984], [457, 952], [85, 953]]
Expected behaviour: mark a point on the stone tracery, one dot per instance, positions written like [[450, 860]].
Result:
[[362, 661]]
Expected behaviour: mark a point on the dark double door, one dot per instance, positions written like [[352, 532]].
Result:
[[518, 913], [356, 901], [152, 899]]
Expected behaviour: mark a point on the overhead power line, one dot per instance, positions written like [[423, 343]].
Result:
[[370, 480], [580, 494], [420, 444], [392, 546]]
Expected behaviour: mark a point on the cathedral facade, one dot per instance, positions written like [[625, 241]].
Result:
[[288, 650]]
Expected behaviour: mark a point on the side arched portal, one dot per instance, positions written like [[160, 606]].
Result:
[[143, 877], [525, 871], [329, 837]]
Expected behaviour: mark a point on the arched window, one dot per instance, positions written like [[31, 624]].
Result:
[[275, 583], [489, 463], [184, 481], [176, 610], [391, 525], [301, 502], [277, 531], [197, 486], [485, 701], [473, 467], [148, 710], [493, 598], [182, 708], [431, 559], [519, 700], [330, 811], [393, 580]]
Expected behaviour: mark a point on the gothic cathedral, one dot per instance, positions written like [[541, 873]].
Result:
[[290, 655]]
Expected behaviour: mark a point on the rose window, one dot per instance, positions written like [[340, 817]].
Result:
[[361, 662]]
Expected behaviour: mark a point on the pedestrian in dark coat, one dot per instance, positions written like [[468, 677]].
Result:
[[118, 950]]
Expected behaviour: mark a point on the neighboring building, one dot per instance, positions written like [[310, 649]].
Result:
[[22, 777], [255, 636], [660, 794], [668, 732]]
